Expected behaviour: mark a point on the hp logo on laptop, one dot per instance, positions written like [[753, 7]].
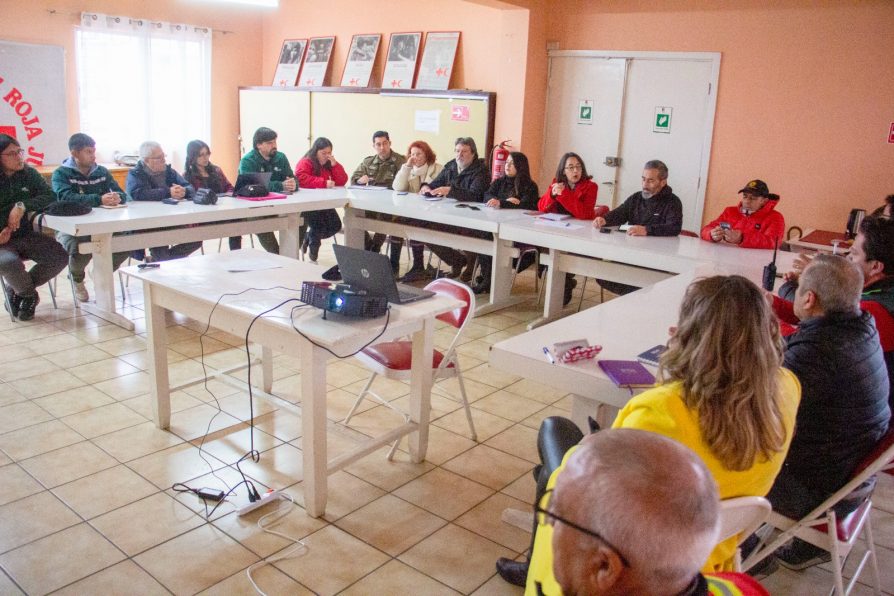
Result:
[[364, 272]]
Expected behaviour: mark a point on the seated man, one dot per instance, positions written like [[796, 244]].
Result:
[[754, 223], [873, 253], [654, 211], [464, 178], [263, 158], [844, 411], [81, 179], [379, 170], [23, 189], [632, 512], [153, 180]]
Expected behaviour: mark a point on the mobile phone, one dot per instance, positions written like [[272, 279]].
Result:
[[170, 201], [604, 230]]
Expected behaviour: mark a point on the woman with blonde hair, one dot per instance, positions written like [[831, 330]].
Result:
[[721, 391]]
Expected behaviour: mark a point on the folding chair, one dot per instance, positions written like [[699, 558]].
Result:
[[392, 359], [741, 516], [823, 529]]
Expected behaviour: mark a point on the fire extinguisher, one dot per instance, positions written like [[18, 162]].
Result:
[[499, 155]]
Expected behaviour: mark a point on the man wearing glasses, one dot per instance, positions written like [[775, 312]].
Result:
[[654, 211], [152, 179], [632, 512], [23, 189]]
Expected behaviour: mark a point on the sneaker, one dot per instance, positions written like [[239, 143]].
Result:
[[81, 292], [13, 301], [27, 306], [798, 555]]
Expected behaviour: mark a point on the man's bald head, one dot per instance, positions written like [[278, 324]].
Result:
[[652, 501]]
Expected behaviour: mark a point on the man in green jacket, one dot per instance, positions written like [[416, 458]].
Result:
[[23, 189], [265, 158], [81, 179]]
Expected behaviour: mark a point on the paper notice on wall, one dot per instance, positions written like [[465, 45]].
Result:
[[428, 121]]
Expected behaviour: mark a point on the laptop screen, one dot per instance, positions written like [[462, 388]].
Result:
[[366, 271]]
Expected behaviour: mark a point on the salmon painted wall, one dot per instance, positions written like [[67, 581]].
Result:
[[236, 56], [491, 56], [805, 97]]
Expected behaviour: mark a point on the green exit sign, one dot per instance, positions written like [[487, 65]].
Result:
[[662, 121]]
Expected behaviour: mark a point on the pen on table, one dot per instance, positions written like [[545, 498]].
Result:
[[549, 356]]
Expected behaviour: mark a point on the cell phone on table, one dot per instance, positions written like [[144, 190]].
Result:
[[170, 201]]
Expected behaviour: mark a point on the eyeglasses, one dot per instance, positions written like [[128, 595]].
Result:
[[544, 513], [573, 168], [18, 153]]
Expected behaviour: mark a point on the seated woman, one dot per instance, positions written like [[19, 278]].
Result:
[[513, 190], [23, 189], [573, 193], [721, 392], [201, 173], [318, 169], [420, 168]]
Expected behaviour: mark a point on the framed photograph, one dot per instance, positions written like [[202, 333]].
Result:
[[400, 67], [437, 60], [361, 57], [289, 65], [316, 61]]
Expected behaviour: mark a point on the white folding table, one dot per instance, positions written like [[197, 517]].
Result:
[[201, 287], [577, 247], [144, 224], [446, 212]]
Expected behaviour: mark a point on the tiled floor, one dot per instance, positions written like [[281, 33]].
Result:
[[86, 505]]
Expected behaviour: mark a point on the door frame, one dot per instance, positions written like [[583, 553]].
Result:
[[713, 58]]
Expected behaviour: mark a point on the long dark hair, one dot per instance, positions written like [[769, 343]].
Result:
[[319, 144], [560, 172], [7, 140], [191, 168], [522, 178]]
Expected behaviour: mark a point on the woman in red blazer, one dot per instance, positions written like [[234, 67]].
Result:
[[318, 169], [572, 192]]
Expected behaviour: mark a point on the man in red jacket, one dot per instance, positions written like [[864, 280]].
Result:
[[754, 223]]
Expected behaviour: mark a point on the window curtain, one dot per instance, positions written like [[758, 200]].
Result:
[[143, 80]]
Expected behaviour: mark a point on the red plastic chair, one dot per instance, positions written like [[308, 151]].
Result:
[[823, 529], [392, 359]]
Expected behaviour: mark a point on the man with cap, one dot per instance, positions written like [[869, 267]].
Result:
[[754, 223]]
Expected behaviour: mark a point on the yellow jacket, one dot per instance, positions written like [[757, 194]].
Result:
[[662, 410]]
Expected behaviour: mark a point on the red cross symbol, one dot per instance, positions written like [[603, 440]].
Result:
[[282, 82], [396, 83], [354, 82], [309, 81]]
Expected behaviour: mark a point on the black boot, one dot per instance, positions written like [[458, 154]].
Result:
[[514, 572], [27, 306], [13, 302]]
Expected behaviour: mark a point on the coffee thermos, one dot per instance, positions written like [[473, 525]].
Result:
[[853, 223]]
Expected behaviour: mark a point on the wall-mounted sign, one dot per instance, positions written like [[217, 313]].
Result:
[[459, 113], [585, 111], [662, 121]]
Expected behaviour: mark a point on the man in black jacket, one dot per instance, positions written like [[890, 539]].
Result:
[[464, 178], [844, 402], [654, 211]]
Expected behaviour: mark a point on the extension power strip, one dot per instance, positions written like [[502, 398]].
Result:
[[265, 498]]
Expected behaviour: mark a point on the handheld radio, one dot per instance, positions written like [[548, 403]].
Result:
[[770, 270]]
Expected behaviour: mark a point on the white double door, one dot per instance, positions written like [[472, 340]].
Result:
[[618, 111]]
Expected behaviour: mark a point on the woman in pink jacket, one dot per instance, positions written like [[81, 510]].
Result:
[[318, 169]]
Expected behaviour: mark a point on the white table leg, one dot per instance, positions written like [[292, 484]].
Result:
[[104, 283], [354, 232], [420, 389], [554, 292], [267, 369], [158, 359], [288, 236], [313, 422], [500, 278]]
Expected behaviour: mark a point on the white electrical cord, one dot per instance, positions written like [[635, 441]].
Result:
[[285, 507]]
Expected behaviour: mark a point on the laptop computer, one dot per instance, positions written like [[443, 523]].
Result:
[[253, 178], [371, 272]]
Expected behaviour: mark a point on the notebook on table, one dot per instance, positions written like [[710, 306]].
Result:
[[627, 373], [652, 355]]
